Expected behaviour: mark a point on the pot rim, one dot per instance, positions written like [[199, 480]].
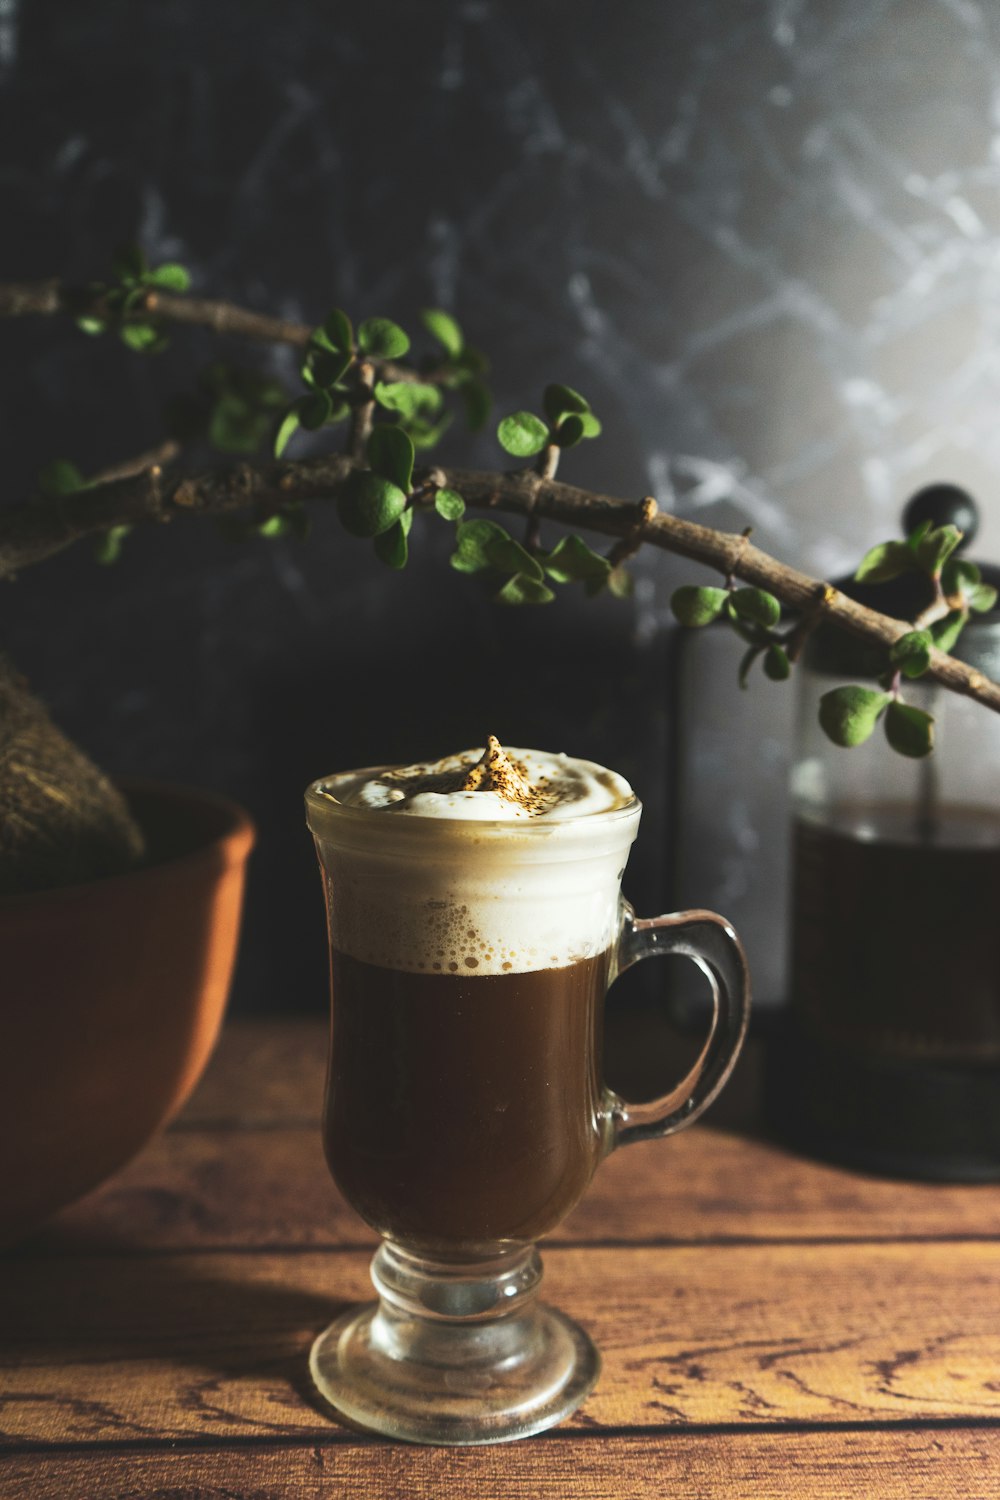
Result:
[[237, 835]]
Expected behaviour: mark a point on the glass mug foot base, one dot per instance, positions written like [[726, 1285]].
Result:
[[454, 1354]]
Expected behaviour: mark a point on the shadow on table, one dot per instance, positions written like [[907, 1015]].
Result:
[[239, 1337]]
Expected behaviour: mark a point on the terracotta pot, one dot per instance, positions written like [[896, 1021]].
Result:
[[111, 998]]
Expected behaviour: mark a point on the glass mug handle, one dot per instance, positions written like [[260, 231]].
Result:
[[712, 943]]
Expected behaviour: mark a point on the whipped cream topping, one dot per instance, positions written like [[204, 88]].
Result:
[[494, 785], [483, 863]]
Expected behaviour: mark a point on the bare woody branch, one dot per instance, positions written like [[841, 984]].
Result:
[[49, 298], [29, 533], [53, 297]]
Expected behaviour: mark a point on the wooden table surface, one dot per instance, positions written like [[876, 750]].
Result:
[[770, 1326]]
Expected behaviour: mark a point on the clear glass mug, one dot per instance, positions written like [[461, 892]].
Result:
[[466, 1110]]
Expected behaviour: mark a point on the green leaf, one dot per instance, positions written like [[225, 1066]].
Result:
[[142, 337], [274, 527], [90, 325], [572, 561], [338, 330], [887, 560], [390, 453], [746, 663], [570, 432], [443, 327], [909, 730], [560, 401], [522, 589], [392, 547], [947, 631], [508, 556], [380, 338], [129, 263], [408, 397], [171, 276], [698, 606], [484, 544], [912, 652], [848, 715], [917, 535], [424, 435], [478, 403], [591, 426], [776, 663], [60, 477], [108, 546], [235, 426], [449, 503], [757, 606], [957, 572], [369, 504], [522, 434], [289, 426], [982, 597], [324, 367], [473, 360], [314, 410], [620, 582], [936, 547]]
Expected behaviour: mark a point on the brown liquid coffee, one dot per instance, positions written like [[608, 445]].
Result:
[[463, 1110], [896, 937]]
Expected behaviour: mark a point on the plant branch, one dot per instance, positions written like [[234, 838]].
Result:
[[362, 413], [29, 533], [49, 298]]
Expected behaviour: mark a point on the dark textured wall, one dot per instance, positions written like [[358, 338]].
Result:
[[759, 234]]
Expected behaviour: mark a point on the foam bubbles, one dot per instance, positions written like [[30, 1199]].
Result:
[[446, 892]]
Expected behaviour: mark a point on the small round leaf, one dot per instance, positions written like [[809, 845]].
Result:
[[369, 504], [520, 589], [392, 547], [522, 434], [314, 410], [698, 606], [776, 664], [390, 453], [338, 330], [909, 730], [912, 653], [887, 560], [443, 327], [449, 503], [171, 276], [570, 431], [848, 715], [289, 426], [382, 339], [757, 606], [142, 337], [559, 401]]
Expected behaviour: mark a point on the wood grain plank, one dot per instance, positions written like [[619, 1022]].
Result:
[[144, 1348], [941, 1465], [199, 1189]]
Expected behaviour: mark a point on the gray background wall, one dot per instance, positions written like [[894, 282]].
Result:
[[761, 235]]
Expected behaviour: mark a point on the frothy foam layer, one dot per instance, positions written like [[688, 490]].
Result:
[[456, 886], [493, 784]]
